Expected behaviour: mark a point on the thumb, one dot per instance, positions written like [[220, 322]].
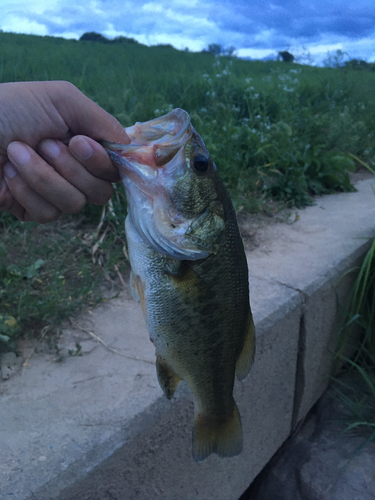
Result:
[[84, 117]]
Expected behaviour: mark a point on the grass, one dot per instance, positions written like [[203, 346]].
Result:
[[359, 394], [356, 392], [50, 272], [279, 134]]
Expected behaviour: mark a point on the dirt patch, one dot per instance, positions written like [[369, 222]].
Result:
[[251, 225]]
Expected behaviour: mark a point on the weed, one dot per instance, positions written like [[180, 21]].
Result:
[[276, 132], [48, 273], [77, 351], [359, 397]]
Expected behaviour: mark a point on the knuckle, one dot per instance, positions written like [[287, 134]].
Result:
[[75, 205], [67, 86], [47, 215], [102, 195], [101, 166], [41, 177]]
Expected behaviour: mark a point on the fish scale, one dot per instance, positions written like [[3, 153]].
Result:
[[189, 272]]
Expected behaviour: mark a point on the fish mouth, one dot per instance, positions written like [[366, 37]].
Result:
[[158, 151], [154, 144]]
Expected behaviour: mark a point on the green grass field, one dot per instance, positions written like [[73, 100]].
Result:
[[277, 131]]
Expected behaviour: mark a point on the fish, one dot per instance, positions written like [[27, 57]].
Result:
[[189, 272]]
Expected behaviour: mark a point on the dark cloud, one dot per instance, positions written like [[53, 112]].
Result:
[[257, 24], [310, 19]]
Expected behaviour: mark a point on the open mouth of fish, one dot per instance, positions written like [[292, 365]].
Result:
[[160, 153], [156, 148]]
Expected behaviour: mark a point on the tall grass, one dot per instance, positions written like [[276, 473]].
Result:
[[276, 131], [359, 394]]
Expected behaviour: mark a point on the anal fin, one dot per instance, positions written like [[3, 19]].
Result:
[[246, 357], [167, 378], [221, 436]]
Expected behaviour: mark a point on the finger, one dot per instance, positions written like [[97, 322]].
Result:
[[94, 157], [28, 205], [8, 203], [84, 116], [97, 191], [44, 180]]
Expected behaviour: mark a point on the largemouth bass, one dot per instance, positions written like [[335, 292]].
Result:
[[189, 272]]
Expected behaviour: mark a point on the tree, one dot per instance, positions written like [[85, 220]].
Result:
[[123, 39], [215, 48], [357, 64], [335, 59], [286, 56], [218, 50], [92, 36]]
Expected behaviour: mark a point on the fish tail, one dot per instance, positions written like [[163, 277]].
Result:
[[223, 436]]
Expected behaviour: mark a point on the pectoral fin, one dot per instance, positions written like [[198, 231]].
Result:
[[167, 378], [138, 292], [190, 285], [246, 357], [134, 287]]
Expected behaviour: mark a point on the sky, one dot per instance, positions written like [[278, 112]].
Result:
[[309, 29]]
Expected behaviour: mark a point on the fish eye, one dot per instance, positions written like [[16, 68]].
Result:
[[200, 163]]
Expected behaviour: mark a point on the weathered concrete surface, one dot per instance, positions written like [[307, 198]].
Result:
[[158, 464], [55, 414], [311, 256], [98, 427]]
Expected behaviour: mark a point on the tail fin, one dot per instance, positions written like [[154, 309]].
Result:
[[223, 437]]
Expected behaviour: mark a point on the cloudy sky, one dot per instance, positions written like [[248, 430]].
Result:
[[256, 28]]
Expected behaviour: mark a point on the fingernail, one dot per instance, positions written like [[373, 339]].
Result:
[[82, 149], [9, 171], [18, 153], [50, 148]]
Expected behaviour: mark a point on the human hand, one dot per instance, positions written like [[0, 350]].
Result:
[[50, 161]]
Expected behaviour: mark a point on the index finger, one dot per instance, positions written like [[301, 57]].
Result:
[[94, 158], [84, 116]]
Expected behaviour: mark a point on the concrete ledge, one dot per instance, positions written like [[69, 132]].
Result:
[[98, 427]]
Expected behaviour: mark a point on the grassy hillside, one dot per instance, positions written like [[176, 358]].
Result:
[[273, 128], [276, 131]]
